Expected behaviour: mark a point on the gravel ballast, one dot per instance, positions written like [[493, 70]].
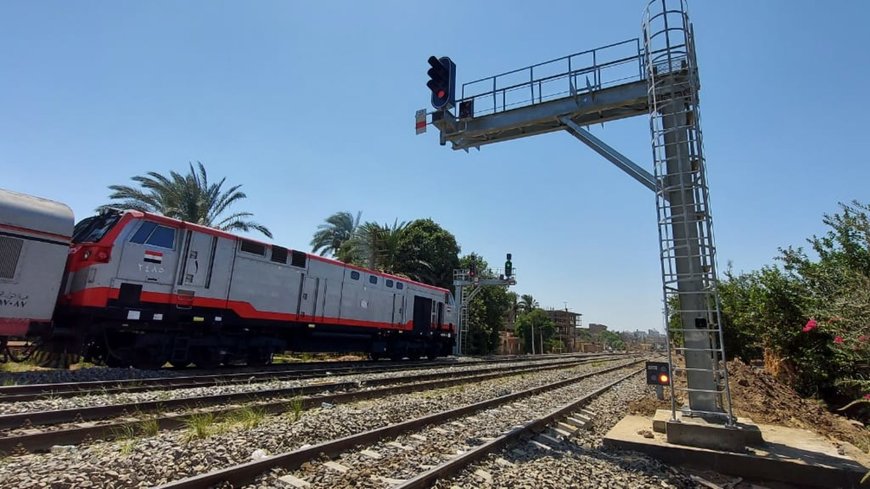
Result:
[[140, 462]]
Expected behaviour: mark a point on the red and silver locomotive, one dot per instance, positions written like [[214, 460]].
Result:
[[142, 289]]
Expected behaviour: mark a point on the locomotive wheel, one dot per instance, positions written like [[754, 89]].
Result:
[[147, 359], [21, 351], [205, 357], [56, 355], [259, 358], [114, 362]]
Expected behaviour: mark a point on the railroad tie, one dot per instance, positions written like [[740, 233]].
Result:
[[336, 467], [549, 441], [540, 445], [371, 454], [295, 482], [389, 480]]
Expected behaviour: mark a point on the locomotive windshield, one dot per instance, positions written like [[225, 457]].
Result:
[[92, 229]]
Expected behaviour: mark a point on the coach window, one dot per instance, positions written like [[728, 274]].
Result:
[[373, 279], [389, 283], [143, 232], [162, 237], [354, 275], [400, 285]]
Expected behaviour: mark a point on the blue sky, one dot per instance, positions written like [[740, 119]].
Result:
[[310, 105]]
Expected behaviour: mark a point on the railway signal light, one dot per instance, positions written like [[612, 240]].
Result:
[[508, 266], [658, 373], [472, 269], [442, 82]]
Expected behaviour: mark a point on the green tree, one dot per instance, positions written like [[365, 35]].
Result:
[[487, 311], [187, 197], [612, 340], [337, 230], [527, 303], [513, 308], [535, 321], [428, 253], [376, 246]]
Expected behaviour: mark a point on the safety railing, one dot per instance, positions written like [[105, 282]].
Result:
[[578, 73]]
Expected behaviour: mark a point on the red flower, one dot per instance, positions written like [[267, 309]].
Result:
[[838, 339], [811, 325]]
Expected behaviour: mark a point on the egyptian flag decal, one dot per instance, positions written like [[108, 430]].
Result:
[[153, 256]]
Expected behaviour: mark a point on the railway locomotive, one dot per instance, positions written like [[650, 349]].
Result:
[[131, 288]]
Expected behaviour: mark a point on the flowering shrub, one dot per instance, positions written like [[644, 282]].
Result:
[[812, 312]]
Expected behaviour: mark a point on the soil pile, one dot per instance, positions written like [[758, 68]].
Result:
[[758, 396]]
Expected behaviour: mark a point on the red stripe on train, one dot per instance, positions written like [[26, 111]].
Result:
[[99, 297]]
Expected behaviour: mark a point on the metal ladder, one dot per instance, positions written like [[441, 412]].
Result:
[[688, 253]]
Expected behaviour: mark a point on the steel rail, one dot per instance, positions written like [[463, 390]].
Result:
[[247, 473], [41, 440], [28, 392], [476, 454]]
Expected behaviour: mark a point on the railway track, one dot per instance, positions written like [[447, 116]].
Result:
[[31, 392], [21, 434], [443, 429]]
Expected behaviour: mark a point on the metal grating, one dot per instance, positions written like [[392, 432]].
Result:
[[10, 252]]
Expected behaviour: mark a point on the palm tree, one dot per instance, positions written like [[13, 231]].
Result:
[[512, 310], [377, 246], [339, 228], [528, 303], [187, 197]]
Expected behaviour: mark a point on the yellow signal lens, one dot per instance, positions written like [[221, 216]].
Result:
[[663, 379]]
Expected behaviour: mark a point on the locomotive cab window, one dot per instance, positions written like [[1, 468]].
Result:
[[143, 232], [354, 275], [373, 279], [389, 283], [152, 234], [92, 229], [162, 237]]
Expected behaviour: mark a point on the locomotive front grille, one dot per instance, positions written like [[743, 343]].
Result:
[[10, 251]]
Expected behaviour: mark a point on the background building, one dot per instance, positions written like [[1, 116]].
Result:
[[566, 322]]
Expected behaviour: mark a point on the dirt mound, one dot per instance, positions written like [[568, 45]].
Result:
[[760, 397]]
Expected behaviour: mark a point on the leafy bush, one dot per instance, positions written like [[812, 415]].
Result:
[[809, 317]]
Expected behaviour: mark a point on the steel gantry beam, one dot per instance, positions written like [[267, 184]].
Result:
[[621, 161]]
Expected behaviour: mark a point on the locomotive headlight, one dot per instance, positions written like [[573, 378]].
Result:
[[86, 254]]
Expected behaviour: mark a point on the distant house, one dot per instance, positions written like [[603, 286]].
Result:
[[567, 323]]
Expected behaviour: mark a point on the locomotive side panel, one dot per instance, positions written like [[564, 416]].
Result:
[[330, 292], [205, 269], [264, 289]]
